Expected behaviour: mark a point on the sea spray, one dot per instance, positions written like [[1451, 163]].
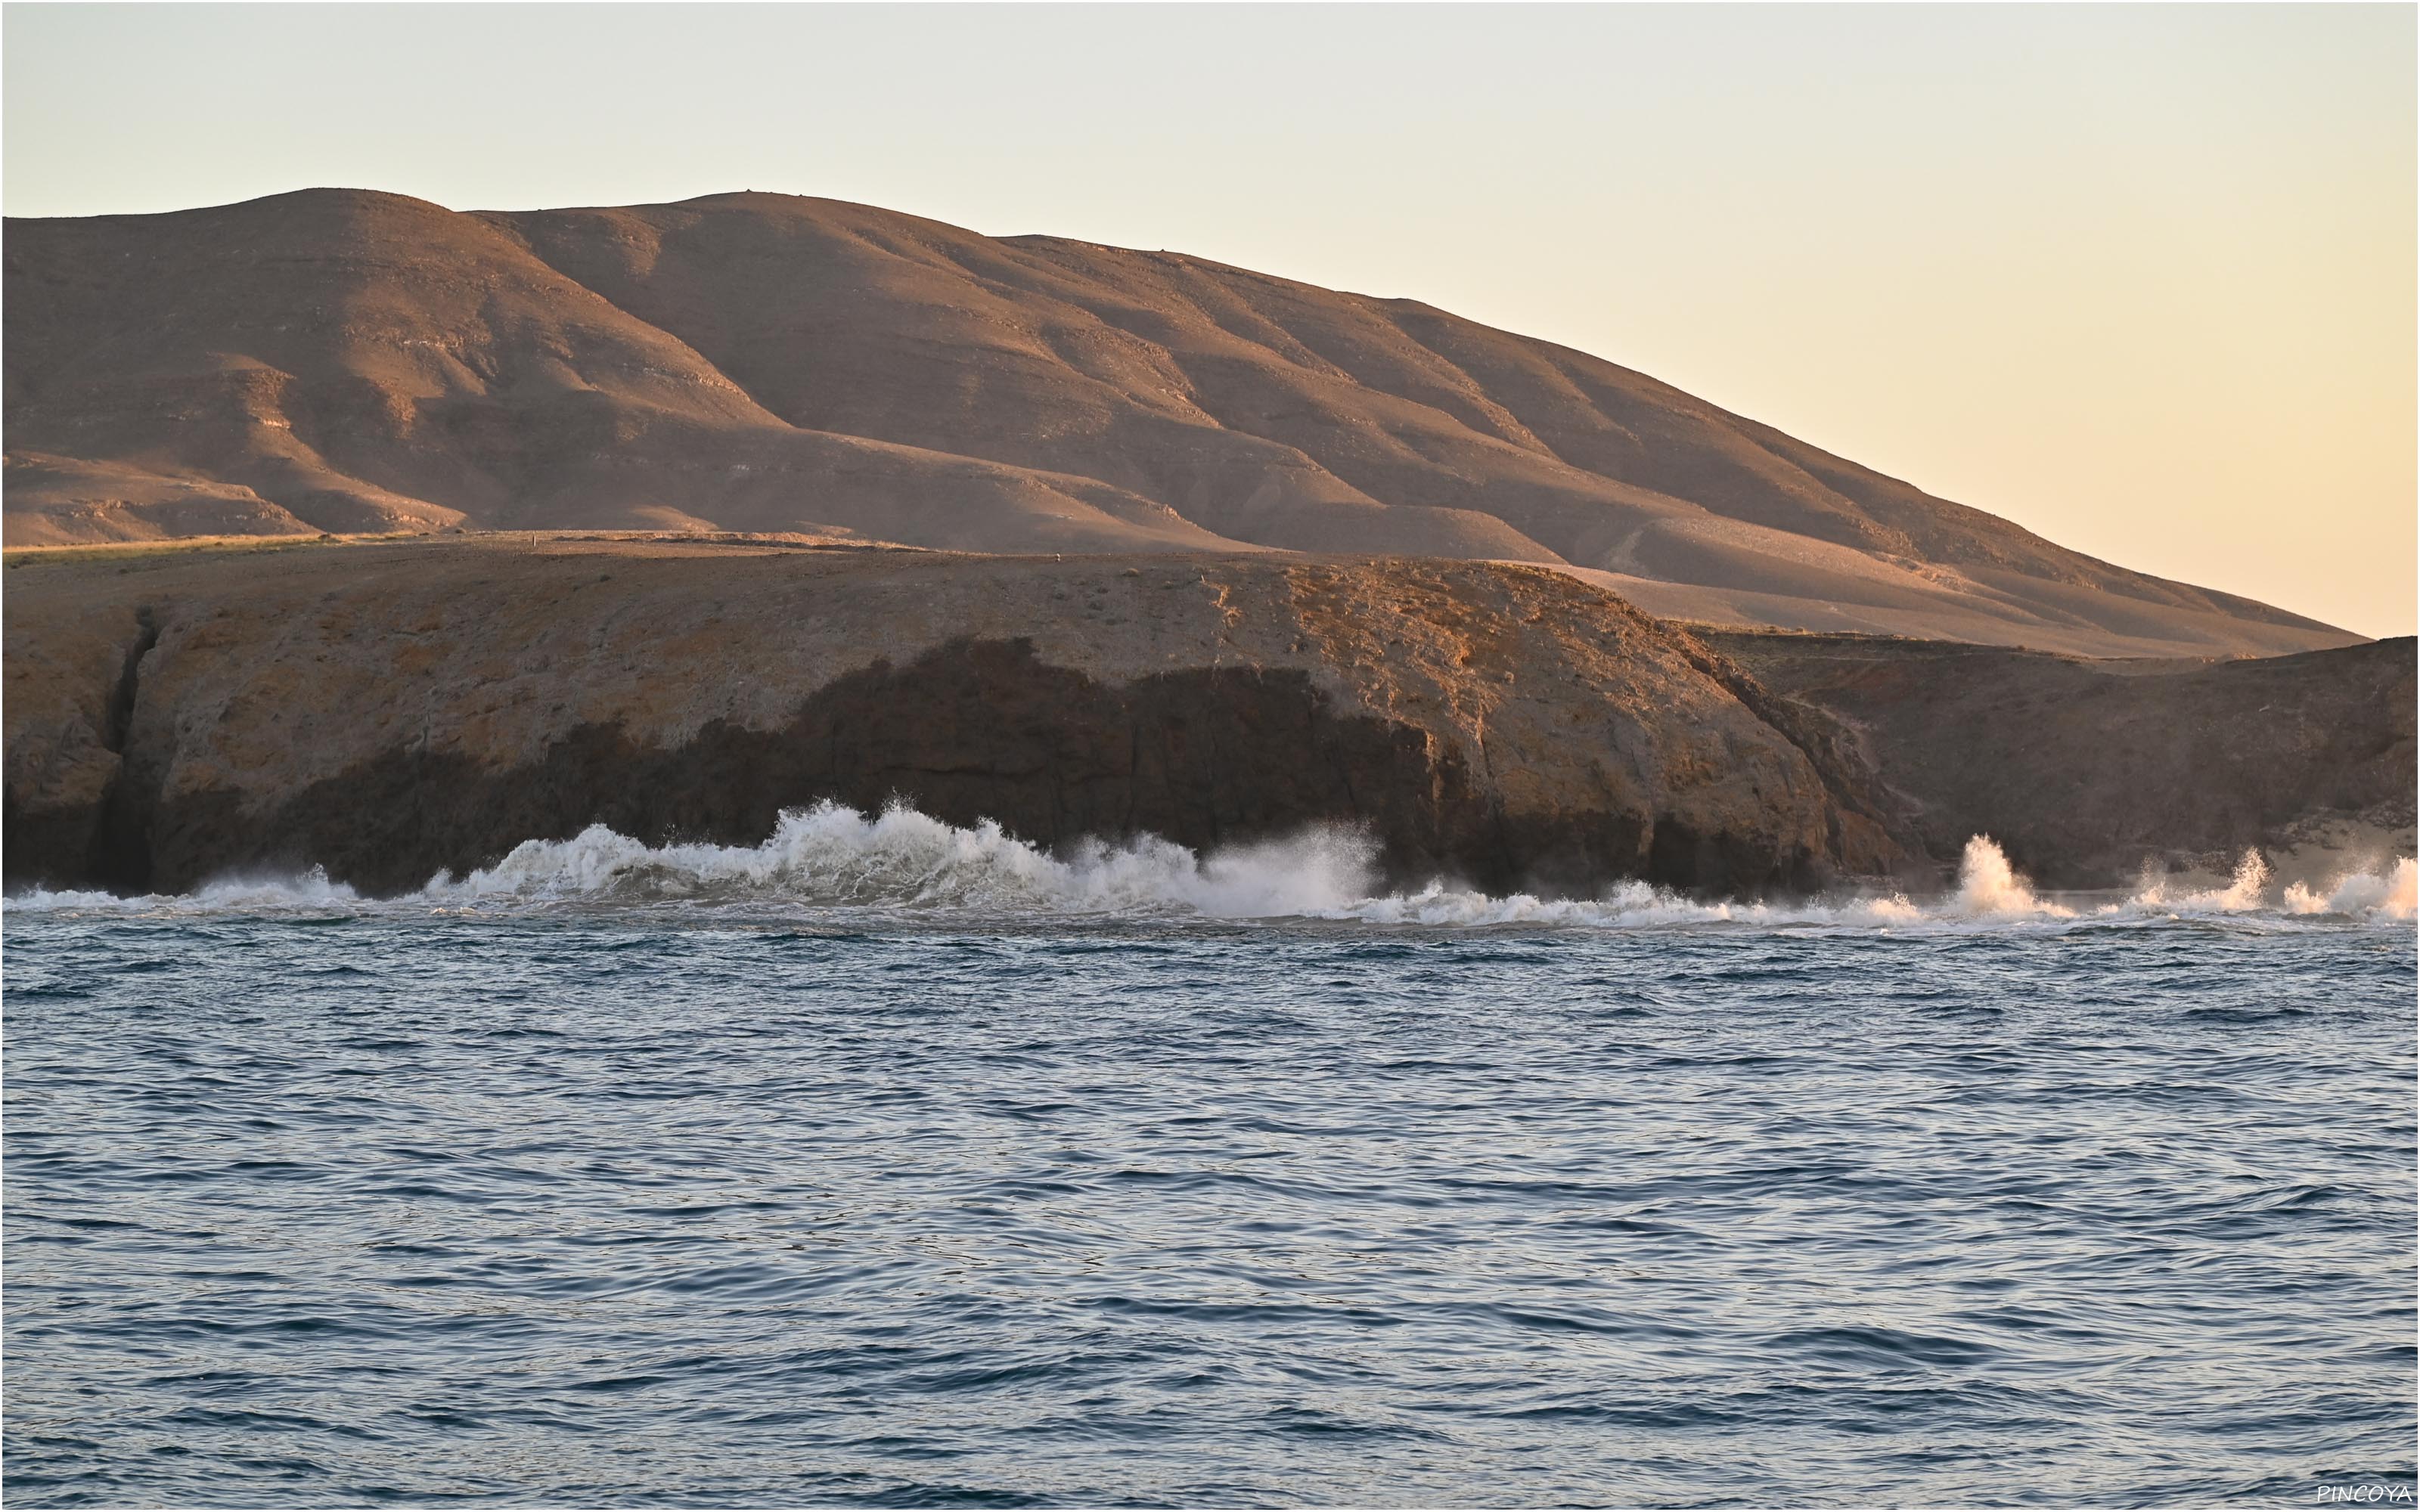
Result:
[[247, 893], [2392, 893], [2246, 889], [1989, 887], [831, 855], [903, 861], [2250, 881]]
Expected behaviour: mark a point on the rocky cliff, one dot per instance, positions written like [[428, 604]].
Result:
[[2086, 770], [392, 710]]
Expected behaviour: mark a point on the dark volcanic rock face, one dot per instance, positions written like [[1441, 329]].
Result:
[[970, 731], [2083, 770], [391, 713]]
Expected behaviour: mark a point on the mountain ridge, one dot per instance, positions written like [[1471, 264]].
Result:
[[346, 359]]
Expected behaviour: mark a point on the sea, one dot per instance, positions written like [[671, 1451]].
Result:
[[892, 1164]]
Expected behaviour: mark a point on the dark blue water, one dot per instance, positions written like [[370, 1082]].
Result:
[[616, 1205]]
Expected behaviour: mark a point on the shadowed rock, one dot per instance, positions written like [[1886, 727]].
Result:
[[2083, 770], [391, 711]]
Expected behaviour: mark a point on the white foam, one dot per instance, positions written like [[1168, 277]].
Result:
[[830, 857], [835, 855], [309, 890], [2245, 892], [1988, 888], [2389, 893], [1626, 905]]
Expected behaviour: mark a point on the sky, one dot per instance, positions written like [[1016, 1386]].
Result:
[[2139, 278]]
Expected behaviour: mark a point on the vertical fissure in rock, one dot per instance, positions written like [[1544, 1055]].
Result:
[[120, 855], [118, 716]]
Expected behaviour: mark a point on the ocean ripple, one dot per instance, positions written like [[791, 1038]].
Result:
[[611, 1192]]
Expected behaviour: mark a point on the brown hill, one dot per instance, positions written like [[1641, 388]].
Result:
[[341, 359]]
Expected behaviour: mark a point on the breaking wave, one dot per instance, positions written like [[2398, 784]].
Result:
[[901, 860], [1989, 887], [2395, 893], [835, 855]]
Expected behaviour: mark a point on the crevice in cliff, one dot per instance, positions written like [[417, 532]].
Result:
[[120, 855], [118, 716], [1868, 826]]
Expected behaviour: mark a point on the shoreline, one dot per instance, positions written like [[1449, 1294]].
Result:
[[423, 703]]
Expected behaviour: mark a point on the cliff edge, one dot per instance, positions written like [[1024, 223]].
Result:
[[394, 710]]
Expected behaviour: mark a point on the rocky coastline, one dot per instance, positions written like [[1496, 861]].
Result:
[[391, 710]]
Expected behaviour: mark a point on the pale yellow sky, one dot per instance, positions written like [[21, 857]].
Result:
[[2140, 278]]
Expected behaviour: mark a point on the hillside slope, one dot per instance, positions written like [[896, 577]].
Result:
[[342, 360]]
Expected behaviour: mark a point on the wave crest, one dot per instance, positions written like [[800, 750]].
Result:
[[1989, 887], [830, 856], [2394, 893]]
